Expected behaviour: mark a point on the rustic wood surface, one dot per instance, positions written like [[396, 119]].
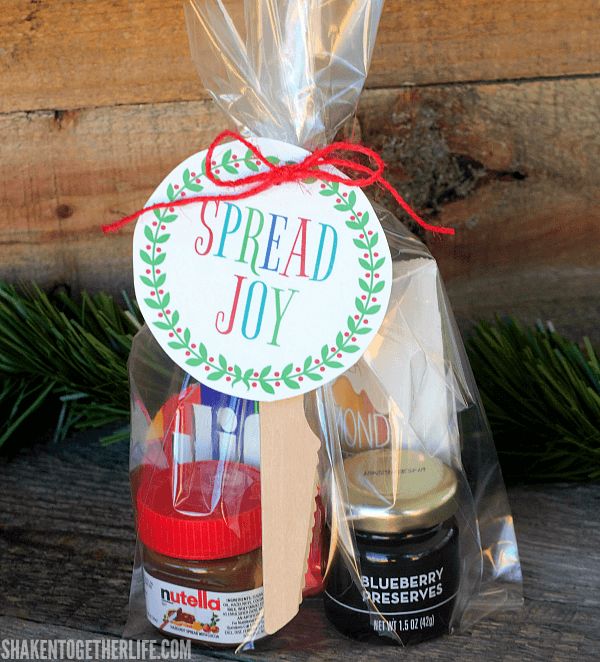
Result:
[[66, 548], [509, 165], [487, 114], [71, 54]]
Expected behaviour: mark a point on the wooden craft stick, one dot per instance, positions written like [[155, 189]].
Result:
[[289, 456]]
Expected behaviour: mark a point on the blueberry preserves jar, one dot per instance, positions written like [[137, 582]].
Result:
[[401, 506]]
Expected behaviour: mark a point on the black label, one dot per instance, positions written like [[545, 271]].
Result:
[[410, 595]]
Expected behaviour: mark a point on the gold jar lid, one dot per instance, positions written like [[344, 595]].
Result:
[[395, 491]]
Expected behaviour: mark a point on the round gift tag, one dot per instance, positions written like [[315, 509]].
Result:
[[268, 296]]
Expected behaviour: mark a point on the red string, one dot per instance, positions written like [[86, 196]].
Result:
[[360, 176]]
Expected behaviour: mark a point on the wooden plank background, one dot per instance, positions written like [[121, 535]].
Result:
[[487, 113]]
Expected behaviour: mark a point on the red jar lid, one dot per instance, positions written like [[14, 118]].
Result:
[[207, 510]]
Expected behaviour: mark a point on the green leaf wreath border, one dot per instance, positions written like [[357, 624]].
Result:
[[218, 367]]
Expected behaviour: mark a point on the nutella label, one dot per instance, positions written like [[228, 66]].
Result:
[[224, 618]]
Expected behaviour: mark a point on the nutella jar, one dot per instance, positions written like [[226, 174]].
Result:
[[401, 505], [200, 531]]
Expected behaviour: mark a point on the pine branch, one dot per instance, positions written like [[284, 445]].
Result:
[[541, 393], [67, 359], [66, 353]]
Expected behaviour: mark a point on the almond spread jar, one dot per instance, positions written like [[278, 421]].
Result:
[[401, 506], [199, 526]]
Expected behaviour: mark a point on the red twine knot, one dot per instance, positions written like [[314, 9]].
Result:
[[359, 176]]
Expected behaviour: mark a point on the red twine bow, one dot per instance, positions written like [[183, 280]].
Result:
[[310, 166]]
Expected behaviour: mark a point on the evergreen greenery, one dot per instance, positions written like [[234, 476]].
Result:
[[541, 393], [63, 363], [63, 366]]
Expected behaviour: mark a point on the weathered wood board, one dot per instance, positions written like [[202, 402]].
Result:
[[511, 166], [71, 54], [66, 550], [99, 100], [63, 175], [515, 168]]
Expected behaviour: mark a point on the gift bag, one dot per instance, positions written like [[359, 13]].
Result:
[[411, 535]]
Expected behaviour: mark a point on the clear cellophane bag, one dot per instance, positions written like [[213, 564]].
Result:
[[294, 71]]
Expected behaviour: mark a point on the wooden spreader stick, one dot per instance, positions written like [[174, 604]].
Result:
[[289, 457]]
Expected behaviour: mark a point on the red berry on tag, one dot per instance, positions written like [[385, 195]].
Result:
[[376, 254], [370, 232], [317, 361], [253, 384], [159, 250], [160, 314], [376, 275], [338, 200], [193, 345], [148, 247], [230, 368], [179, 330], [168, 311], [147, 271], [154, 224], [176, 186], [207, 368], [228, 378], [171, 209], [322, 368], [298, 369], [161, 291], [212, 359], [256, 374], [171, 334], [346, 334], [234, 157], [192, 174], [363, 297], [356, 317], [163, 227], [351, 218], [353, 338], [276, 374], [187, 353], [277, 383], [339, 356], [359, 213], [361, 236], [152, 293], [157, 271], [301, 378], [333, 349], [374, 299], [365, 321]]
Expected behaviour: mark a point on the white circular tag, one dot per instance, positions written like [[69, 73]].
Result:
[[265, 297]]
